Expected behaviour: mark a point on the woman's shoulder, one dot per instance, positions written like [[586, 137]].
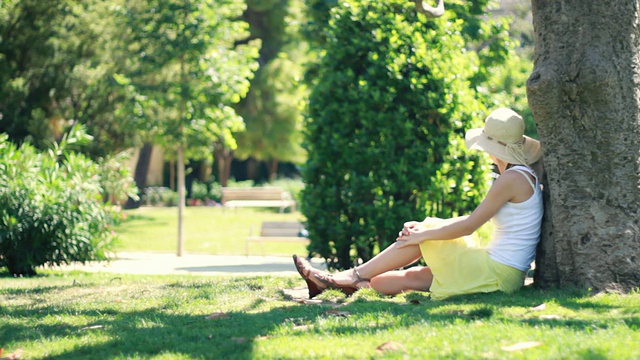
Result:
[[520, 181], [509, 176]]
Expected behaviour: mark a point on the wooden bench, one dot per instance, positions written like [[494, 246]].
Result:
[[277, 231], [257, 197]]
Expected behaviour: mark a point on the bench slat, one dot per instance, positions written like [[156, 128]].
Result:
[[282, 225], [265, 196], [279, 239], [278, 231], [256, 193], [259, 203]]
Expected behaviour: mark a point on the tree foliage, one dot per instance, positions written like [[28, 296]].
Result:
[[189, 70], [385, 128], [57, 60], [51, 205], [272, 108]]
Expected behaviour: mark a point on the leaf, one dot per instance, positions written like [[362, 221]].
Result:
[[540, 307], [411, 302], [521, 346], [91, 327], [238, 340], [301, 327], [390, 346], [335, 312], [217, 315], [311, 302], [549, 317]]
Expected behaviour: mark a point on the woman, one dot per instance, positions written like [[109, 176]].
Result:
[[513, 204]]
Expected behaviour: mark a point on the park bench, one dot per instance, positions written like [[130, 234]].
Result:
[[257, 197], [277, 231]]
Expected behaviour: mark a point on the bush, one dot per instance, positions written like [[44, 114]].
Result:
[[292, 185], [160, 196], [51, 207], [206, 191], [385, 129]]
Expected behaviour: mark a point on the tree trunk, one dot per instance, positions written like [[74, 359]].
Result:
[[584, 95], [223, 158], [252, 169], [181, 203], [140, 174], [273, 169], [172, 175]]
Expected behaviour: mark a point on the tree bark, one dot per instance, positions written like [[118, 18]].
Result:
[[140, 174], [181, 200], [223, 158], [273, 169], [584, 94], [172, 175], [252, 168]]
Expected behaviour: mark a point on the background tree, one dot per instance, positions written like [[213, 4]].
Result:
[[584, 95], [272, 108], [57, 61], [191, 72], [387, 114]]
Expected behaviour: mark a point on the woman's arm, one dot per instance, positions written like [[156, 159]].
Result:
[[502, 191]]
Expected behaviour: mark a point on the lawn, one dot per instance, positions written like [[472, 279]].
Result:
[[104, 316], [210, 230], [76, 315]]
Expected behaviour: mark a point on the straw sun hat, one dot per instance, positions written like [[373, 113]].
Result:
[[503, 137]]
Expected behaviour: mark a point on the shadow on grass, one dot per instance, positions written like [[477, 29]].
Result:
[[167, 330], [152, 332]]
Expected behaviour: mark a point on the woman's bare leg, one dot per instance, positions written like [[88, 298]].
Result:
[[391, 258], [395, 282]]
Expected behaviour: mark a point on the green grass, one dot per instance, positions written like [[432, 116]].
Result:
[[77, 315], [210, 230], [105, 316]]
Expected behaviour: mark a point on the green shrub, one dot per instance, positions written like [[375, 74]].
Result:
[[199, 191], [51, 207], [385, 128], [115, 179], [291, 185], [159, 196], [206, 191]]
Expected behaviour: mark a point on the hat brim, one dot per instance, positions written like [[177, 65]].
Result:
[[477, 139]]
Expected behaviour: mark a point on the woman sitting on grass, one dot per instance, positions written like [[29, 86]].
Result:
[[513, 204]]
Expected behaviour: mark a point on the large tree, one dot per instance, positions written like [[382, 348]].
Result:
[[585, 97]]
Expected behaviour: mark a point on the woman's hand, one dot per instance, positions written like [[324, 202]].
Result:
[[410, 234]]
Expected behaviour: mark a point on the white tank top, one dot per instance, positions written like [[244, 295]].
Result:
[[517, 228]]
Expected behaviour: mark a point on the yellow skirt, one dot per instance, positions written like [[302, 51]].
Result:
[[458, 268]]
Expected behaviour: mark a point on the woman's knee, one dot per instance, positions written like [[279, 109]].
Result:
[[394, 282], [420, 277]]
